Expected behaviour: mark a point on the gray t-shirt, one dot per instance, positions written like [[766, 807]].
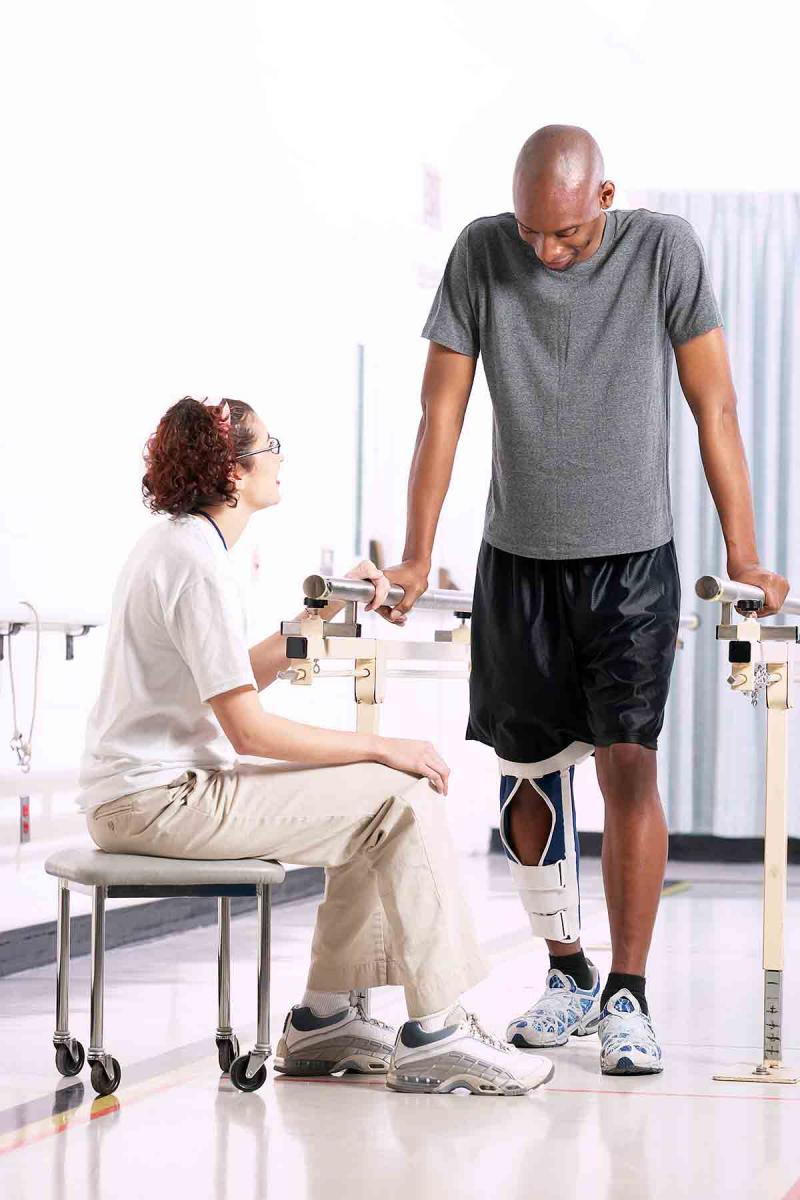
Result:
[[578, 365]]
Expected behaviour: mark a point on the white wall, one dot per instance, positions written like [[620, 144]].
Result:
[[227, 198]]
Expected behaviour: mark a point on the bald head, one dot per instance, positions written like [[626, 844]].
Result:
[[565, 158], [560, 194]]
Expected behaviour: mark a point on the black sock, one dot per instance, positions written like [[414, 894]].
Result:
[[576, 965], [634, 983]]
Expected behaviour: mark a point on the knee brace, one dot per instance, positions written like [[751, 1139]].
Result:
[[549, 891]]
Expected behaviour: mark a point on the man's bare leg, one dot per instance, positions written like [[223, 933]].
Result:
[[634, 850], [634, 859]]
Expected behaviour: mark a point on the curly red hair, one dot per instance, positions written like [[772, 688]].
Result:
[[190, 459]]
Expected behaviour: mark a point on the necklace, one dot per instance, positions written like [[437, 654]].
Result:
[[199, 513]]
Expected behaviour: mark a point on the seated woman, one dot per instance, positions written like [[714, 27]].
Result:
[[179, 700]]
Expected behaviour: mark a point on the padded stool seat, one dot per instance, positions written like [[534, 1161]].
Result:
[[97, 868], [111, 875]]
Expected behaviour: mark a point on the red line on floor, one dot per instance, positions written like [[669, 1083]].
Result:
[[679, 1096], [332, 1081]]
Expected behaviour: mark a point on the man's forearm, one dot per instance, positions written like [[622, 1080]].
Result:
[[428, 481], [725, 466]]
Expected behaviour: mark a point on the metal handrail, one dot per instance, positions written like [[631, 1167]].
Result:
[[322, 587], [729, 591]]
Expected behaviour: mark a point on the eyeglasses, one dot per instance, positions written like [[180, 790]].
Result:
[[272, 447]]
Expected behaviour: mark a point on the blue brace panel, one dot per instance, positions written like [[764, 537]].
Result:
[[551, 786]]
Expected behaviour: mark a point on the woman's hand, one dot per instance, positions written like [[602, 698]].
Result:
[[418, 758], [367, 570]]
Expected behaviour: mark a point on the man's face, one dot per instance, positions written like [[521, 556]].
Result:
[[562, 229]]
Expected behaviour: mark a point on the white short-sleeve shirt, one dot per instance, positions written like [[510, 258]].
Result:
[[177, 636]]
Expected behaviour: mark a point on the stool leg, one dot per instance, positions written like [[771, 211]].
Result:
[[106, 1071], [249, 1072], [224, 968], [264, 938], [227, 1042], [70, 1055], [98, 970], [62, 964]]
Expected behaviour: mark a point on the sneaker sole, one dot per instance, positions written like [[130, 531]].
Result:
[[521, 1042], [626, 1067], [475, 1084], [363, 1061]]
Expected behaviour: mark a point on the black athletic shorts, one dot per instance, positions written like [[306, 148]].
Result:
[[571, 650]]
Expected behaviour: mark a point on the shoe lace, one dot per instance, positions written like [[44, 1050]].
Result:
[[476, 1029], [365, 1016], [629, 1027], [554, 1000]]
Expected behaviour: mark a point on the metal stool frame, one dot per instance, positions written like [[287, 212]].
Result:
[[246, 1076]]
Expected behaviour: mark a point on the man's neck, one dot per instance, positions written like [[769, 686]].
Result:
[[596, 241]]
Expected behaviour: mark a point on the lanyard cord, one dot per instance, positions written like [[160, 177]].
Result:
[[199, 513]]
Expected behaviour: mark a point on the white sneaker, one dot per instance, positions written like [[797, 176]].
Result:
[[462, 1055], [562, 1011], [628, 1044], [347, 1041]]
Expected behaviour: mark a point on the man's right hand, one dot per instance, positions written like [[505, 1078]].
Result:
[[412, 577], [418, 758]]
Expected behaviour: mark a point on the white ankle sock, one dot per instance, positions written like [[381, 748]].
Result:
[[434, 1021], [325, 1004]]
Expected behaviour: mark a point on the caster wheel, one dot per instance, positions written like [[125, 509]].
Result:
[[240, 1080], [227, 1051], [67, 1062], [100, 1080]]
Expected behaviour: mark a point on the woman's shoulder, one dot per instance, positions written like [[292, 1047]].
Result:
[[175, 554]]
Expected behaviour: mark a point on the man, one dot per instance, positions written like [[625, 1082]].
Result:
[[574, 308]]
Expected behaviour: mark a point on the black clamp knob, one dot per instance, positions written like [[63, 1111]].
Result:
[[740, 652], [309, 603], [749, 605], [296, 647], [462, 616]]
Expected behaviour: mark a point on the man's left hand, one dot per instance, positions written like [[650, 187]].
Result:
[[774, 587]]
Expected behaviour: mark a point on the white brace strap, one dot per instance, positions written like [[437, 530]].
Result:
[[549, 891]]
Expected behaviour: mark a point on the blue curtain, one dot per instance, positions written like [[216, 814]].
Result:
[[712, 770]]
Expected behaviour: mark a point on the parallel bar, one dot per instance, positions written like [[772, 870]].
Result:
[[321, 587], [324, 587], [728, 591]]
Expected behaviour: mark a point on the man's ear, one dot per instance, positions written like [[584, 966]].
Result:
[[607, 191]]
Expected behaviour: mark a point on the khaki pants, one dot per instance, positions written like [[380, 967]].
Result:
[[392, 911]]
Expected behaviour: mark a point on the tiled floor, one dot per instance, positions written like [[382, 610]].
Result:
[[176, 1127]]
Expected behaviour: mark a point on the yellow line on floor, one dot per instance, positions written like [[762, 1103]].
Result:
[[98, 1107]]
